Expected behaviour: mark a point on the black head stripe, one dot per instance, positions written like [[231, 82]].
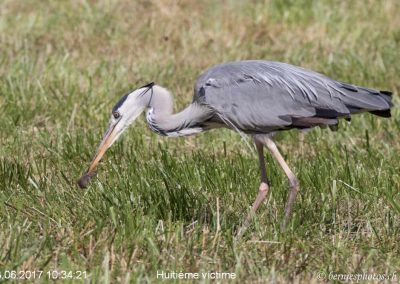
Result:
[[147, 88], [123, 99], [149, 85], [120, 102], [151, 97]]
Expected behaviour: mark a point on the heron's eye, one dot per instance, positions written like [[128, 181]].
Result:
[[116, 115]]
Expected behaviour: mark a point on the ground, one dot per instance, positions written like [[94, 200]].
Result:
[[173, 205]]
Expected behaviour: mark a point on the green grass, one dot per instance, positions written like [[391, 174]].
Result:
[[163, 204]]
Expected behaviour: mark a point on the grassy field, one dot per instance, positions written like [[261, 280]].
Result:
[[172, 205]]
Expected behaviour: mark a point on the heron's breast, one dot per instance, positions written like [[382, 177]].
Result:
[[151, 122]]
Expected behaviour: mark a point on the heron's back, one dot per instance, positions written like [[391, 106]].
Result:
[[264, 96]]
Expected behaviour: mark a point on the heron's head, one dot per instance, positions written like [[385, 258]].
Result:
[[123, 114]]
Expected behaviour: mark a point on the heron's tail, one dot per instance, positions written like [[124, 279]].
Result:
[[361, 99], [387, 96]]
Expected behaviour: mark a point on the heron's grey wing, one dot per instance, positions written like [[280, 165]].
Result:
[[262, 96]]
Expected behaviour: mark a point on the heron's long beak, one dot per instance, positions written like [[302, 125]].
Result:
[[108, 139]]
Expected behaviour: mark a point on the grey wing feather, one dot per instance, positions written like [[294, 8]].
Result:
[[263, 96]]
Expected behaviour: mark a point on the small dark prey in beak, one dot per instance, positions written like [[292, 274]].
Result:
[[84, 181]]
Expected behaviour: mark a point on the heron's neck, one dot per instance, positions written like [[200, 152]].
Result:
[[162, 121]]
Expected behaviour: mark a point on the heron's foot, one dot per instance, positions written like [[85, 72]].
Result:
[[262, 193]]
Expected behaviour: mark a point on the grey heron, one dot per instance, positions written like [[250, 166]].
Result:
[[257, 98]]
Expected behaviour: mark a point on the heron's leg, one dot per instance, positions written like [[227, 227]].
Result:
[[293, 182], [262, 191]]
